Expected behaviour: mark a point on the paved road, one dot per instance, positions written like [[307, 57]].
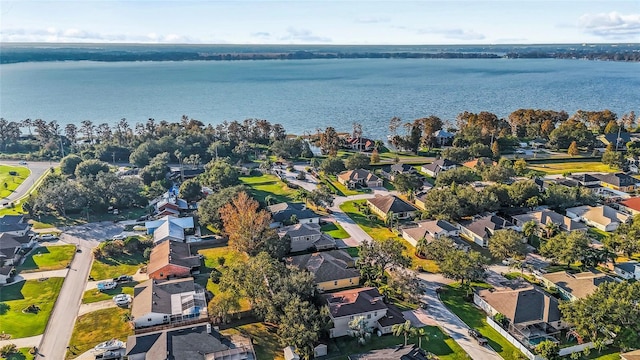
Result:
[[37, 168], [449, 322]]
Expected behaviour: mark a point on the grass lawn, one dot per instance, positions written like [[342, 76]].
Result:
[[267, 184], [598, 234], [12, 182], [353, 251], [265, 340], [453, 298], [48, 258], [211, 261], [96, 327], [572, 167], [22, 354], [125, 264], [334, 230], [608, 354], [23, 294], [342, 190], [439, 344], [94, 295]]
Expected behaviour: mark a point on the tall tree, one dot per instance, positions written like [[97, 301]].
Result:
[[573, 149], [405, 329], [506, 244], [245, 225], [329, 141], [377, 256]]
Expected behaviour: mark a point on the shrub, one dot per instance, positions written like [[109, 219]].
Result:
[[147, 253], [4, 307], [221, 260], [215, 276], [8, 350]]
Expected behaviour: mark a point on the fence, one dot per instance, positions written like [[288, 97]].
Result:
[[512, 340]]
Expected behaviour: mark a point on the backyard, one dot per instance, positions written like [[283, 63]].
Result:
[[8, 182], [454, 298], [212, 260], [20, 296], [123, 264], [572, 167], [101, 325], [47, 258], [268, 185], [265, 340]]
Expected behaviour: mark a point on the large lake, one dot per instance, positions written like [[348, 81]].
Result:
[[307, 94]]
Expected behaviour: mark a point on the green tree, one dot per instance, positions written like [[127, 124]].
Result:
[[506, 244], [405, 329], [462, 265], [459, 175], [375, 257], [529, 229], [220, 174], [495, 150], [69, 163], [406, 183], [91, 168], [191, 190], [549, 350], [329, 141], [566, 248], [209, 207], [300, 326], [613, 158], [357, 161], [157, 169], [359, 329], [375, 156], [520, 167], [223, 305], [626, 238], [332, 165]]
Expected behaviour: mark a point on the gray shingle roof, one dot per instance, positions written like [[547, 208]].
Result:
[[12, 223], [618, 179], [490, 222], [391, 203], [283, 211], [326, 266], [523, 305], [155, 295]]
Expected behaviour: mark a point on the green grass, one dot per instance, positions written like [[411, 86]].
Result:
[[598, 234], [48, 258], [23, 294], [125, 264], [11, 181], [334, 230], [454, 299], [22, 354], [94, 295], [353, 251], [516, 275], [265, 185], [439, 344], [231, 257], [342, 190], [96, 327], [265, 340], [572, 167]]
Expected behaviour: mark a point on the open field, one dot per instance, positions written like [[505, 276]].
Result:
[[454, 299], [211, 261], [21, 295], [265, 185], [8, 182], [95, 295], [334, 230], [265, 340], [48, 258], [572, 167], [125, 264], [93, 328]]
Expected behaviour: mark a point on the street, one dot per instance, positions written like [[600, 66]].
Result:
[[38, 168]]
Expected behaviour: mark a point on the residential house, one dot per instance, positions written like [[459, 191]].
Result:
[[170, 259], [633, 162], [586, 180], [360, 144], [601, 217], [177, 174], [631, 355], [6, 272], [532, 314], [344, 306], [383, 205], [10, 249], [628, 270], [14, 225], [619, 142], [331, 270], [359, 177], [480, 229], [575, 286], [390, 171], [438, 166], [475, 163], [544, 217], [631, 205], [201, 342], [169, 204], [169, 228], [430, 229], [157, 302], [443, 137], [618, 181], [283, 213], [307, 236]]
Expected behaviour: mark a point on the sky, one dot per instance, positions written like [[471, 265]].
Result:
[[398, 22]]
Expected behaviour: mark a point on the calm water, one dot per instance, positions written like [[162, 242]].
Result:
[[306, 94]]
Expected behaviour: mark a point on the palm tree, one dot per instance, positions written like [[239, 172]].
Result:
[[421, 332], [551, 229], [529, 229], [301, 195], [388, 220], [269, 200], [403, 329], [421, 247]]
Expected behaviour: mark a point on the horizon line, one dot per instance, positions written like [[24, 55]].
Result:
[[307, 44]]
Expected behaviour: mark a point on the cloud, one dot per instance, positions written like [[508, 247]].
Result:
[[304, 36], [54, 35], [373, 20], [452, 33], [611, 25]]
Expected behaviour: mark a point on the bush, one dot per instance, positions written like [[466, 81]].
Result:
[[147, 253], [221, 260], [215, 276], [8, 349], [4, 307]]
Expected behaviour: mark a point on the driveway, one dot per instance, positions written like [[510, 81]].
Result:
[[449, 322], [26, 342], [99, 305], [41, 275], [38, 168]]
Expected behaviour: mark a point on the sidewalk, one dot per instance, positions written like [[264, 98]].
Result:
[[23, 342]]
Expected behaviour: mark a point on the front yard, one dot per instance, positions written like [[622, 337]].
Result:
[[123, 264], [454, 298], [8, 182], [554, 168], [101, 325], [268, 185], [48, 258], [20, 296], [22, 354], [94, 295], [334, 230]]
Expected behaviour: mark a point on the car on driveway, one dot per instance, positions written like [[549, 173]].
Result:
[[47, 237], [476, 335], [122, 299], [106, 285], [119, 237], [123, 278]]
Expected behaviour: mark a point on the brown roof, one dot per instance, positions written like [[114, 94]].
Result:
[[473, 163], [523, 305], [358, 175], [171, 252], [579, 285], [354, 302], [429, 228], [391, 203], [631, 355], [632, 203]]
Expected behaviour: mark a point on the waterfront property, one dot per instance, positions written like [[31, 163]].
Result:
[[438, 166]]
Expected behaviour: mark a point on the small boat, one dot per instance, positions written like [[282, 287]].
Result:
[[113, 344]]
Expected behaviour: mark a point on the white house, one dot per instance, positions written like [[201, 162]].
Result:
[[438, 166], [169, 228], [628, 270], [601, 217], [430, 229]]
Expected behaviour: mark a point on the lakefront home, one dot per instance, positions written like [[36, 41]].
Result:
[[438, 166]]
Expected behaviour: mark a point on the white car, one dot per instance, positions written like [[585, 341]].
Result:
[[122, 299], [45, 237], [106, 285], [119, 237], [22, 162]]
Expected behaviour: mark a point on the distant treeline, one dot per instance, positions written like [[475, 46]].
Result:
[[110, 55]]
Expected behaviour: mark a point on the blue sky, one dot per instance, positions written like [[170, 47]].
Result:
[[321, 22]]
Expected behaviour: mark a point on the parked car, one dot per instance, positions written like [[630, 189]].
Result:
[[476, 335], [119, 237], [22, 162], [122, 299], [106, 285], [123, 278], [508, 261], [46, 237]]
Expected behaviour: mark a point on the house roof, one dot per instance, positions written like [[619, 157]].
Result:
[[429, 228], [393, 317], [612, 138], [584, 178], [632, 203], [168, 229], [174, 253], [283, 211], [545, 217], [480, 226], [364, 141], [6, 270], [443, 134], [358, 175], [603, 215], [155, 295], [631, 355], [184, 222], [523, 305], [579, 285], [187, 343], [11, 241], [617, 179], [326, 266], [439, 164], [483, 160], [354, 302], [391, 203], [306, 229], [628, 266], [12, 223]]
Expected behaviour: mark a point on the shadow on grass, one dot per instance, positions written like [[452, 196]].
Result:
[[12, 292], [124, 259], [29, 263]]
